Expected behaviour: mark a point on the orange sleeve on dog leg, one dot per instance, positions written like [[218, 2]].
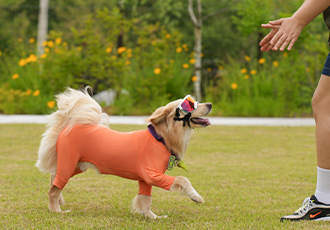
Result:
[[144, 189]]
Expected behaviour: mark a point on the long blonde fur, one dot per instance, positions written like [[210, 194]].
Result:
[[74, 107]]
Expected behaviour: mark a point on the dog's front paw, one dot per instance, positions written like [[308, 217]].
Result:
[[197, 198]]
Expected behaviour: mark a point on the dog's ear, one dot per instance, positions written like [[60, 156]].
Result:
[[160, 115]]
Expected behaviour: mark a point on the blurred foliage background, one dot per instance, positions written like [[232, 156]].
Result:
[[144, 50]]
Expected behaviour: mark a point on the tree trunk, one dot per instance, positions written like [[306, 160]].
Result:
[[198, 62], [42, 25], [198, 45]]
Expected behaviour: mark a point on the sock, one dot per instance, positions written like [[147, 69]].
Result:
[[322, 192]]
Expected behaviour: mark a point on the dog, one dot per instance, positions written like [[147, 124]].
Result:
[[76, 139]]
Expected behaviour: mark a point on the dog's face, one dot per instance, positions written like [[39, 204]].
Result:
[[176, 131], [168, 113]]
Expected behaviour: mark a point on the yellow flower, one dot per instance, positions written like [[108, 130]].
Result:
[[36, 93], [184, 46], [129, 55], [43, 55], [129, 50], [58, 41], [15, 76], [209, 69], [194, 78], [185, 66], [153, 43], [44, 43], [201, 54], [51, 104], [172, 61], [157, 70], [167, 36], [113, 57], [79, 48], [247, 58], [0, 53], [192, 61], [220, 67], [178, 50], [20, 40], [121, 49], [46, 50], [253, 72], [28, 92], [262, 61], [32, 40], [285, 54], [58, 51], [234, 86], [246, 76], [50, 44], [244, 70], [32, 58], [22, 62], [108, 50], [127, 62], [275, 63], [65, 43]]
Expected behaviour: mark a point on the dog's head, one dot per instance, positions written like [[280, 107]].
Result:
[[176, 120], [183, 112]]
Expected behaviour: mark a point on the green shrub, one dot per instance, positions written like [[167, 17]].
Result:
[[276, 86], [150, 70]]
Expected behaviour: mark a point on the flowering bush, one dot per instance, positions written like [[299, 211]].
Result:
[[278, 85], [151, 69]]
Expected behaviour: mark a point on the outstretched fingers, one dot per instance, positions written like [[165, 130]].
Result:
[[265, 42], [284, 33]]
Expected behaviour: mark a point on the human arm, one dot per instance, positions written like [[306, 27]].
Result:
[[286, 31]]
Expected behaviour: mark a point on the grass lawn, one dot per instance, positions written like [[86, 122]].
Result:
[[248, 176]]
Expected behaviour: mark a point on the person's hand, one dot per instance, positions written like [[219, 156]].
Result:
[[285, 32], [265, 43]]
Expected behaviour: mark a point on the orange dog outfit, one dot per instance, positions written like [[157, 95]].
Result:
[[136, 155]]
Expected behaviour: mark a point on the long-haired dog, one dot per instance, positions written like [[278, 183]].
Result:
[[76, 140]]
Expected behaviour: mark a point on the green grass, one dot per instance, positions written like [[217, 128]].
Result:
[[248, 176]]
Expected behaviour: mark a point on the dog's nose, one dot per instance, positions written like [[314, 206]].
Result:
[[209, 105]]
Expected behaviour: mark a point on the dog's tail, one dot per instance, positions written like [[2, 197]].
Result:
[[74, 106]]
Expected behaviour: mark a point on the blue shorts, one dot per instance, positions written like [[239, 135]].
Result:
[[326, 68]]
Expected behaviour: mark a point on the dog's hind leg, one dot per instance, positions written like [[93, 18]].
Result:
[[142, 204], [60, 198], [54, 194], [182, 184]]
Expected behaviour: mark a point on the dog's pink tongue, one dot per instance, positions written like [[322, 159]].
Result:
[[202, 121], [207, 121]]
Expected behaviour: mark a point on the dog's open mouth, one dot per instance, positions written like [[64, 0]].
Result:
[[200, 121]]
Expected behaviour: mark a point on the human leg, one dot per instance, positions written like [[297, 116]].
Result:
[[318, 206], [321, 109]]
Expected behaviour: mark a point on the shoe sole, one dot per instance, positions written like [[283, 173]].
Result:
[[323, 219]]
